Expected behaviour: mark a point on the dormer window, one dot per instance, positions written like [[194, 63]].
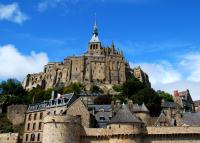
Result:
[[102, 118]]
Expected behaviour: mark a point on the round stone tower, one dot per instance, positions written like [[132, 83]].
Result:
[[126, 127], [61, 129]]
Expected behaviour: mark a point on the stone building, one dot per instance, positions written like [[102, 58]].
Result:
[[33, 131], [184, 99], [75, 122], [99, 65]]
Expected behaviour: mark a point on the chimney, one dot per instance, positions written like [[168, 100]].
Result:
[[52, 94], [130, 104], [118, 103], [176, 93]]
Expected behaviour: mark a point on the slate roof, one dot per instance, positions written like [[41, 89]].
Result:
[[66, 100], [96, 108], [197, 103], [139, 108], [191, 119], [170, 105], [124, 115], [162, 118]]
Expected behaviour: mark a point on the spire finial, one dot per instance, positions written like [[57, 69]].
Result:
[[95, 25], [95, 19]]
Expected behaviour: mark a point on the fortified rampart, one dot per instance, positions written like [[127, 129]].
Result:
[[127, 134], [9, 138], [16, 113], [61, 129]]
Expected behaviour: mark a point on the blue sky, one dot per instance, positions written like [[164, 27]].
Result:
[[160, 35]]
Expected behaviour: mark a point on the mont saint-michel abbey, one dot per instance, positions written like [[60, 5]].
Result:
[[99, 65], [76, 118]]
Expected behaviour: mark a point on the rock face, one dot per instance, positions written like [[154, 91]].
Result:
[[99, 65]]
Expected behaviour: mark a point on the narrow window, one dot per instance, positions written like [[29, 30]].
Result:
[[26, 137], [28, 126], [40, 126], [41, 115], [32, 137], [33, 126], [38, 137], [29, 117], [35, 116]]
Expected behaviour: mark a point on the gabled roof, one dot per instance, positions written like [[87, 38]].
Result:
[[167, 104], [139, 108], [124, 115], [191, 119], [162, 118], [106, 107]]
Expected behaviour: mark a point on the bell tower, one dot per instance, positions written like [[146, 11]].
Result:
[[94, 45]]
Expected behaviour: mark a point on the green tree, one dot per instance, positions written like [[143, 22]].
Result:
[[132, 86], [102, 99], [74, 87], [95, 88], [118, 88], [151, 99], [166, 96]]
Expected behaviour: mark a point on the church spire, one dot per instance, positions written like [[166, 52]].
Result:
[[95, 31], [95, 37]]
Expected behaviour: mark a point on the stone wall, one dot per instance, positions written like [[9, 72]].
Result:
[[61, 129], [78, 108], [16, 114], [9, 138]]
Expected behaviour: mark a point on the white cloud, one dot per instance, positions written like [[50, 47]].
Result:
[[12, 12], [181, 86], [164, 76], [160, 73], [191, 63], [46, 4], [14, 64]]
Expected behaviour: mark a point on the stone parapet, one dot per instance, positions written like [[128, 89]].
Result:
[[173, 130], [9, 138]]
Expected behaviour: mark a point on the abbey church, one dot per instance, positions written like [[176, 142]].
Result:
[[99, 65]]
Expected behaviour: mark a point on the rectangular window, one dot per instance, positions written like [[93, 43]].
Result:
[[26, 137], [35, 116], [32, 137], [28, 126], [38, 137], [33, 126], [41, 115], [29, 117], [40, 126]]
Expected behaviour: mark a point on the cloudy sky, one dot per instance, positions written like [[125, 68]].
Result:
[[162, 36]]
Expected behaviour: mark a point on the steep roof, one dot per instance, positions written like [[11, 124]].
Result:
[[124, 115], [191, 119], [139, 108], [167, 104]]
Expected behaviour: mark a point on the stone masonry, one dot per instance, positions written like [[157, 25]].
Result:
[[99, 65]]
